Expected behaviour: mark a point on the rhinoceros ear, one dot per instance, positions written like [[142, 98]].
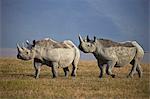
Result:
[[94, 38], [87, 38], [34, 42], [80, 38]]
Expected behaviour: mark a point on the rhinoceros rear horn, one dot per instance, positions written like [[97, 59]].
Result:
[[80, 38], [19, 48]]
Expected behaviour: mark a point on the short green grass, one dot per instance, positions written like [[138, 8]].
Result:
[[17, 81]]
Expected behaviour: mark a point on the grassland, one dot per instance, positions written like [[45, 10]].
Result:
[[17, 81]]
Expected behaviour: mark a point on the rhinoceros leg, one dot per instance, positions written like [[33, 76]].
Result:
[[54, 69], [139, 70], [111, 64], [37, 67], [75, 63], [102, 69], [66, 70], [134, 67], [74, 69]]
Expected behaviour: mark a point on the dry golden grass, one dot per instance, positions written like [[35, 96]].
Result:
[[17, 81]]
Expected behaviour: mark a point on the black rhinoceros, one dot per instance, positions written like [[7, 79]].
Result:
[[51, 53], [114, 54]]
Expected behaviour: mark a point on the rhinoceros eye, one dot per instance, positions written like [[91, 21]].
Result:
[[88, 45], [27, 52]]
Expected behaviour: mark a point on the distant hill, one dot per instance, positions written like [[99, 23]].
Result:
[[12, 52]]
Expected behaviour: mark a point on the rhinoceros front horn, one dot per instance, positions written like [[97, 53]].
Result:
[[24, 48], [27, 42], [80, 38], [19, 48]]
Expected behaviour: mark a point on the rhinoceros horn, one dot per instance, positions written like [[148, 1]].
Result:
[[19, 48], [80, 38], [24, 48], [27, 41]]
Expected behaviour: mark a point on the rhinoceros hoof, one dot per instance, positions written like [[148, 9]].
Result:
[[73, 75], [129, 76], [113, 76], [54, 76], [36, 77], [100, 76]]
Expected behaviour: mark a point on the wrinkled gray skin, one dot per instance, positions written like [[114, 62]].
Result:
[[113, 54], [51, 53]]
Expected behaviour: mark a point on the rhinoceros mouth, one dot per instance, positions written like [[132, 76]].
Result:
[[26, 59], [82, 49], [18, 56], [85, 51], [22, 58]]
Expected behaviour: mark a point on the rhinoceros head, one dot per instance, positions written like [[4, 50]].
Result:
[[24, 53], [86, 45]]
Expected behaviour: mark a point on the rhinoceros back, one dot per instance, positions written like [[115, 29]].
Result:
[[62, 52]]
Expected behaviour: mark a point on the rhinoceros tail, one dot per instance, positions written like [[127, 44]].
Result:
[[77, 55], [77, 52], [140, 51]]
